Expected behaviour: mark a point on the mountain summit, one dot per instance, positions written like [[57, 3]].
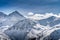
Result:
[[16, 13], [13, 18]]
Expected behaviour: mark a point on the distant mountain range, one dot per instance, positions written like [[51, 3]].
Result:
[[51, 21], [18, 27], [15, 17], [2, 17]]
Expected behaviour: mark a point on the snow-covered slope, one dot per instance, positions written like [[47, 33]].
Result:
[[55, 35], [20, 29], [43, 33], [2, 17], [3, 28], [24, 24], [43, 30]]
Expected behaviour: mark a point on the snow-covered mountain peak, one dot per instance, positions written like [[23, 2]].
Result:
[[15, 13]]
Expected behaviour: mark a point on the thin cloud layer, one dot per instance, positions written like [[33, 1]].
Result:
[[42, 16]]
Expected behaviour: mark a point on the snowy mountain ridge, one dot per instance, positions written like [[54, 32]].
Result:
[[33, 26]]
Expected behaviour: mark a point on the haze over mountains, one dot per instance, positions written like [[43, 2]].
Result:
[[24, 28]]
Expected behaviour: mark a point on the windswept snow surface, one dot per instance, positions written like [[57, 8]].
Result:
[[43, 32]]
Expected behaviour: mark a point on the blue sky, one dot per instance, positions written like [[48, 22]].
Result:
[[25, 6]]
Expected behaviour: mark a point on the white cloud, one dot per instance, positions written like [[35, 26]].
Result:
[[30, 13], [41, 16]]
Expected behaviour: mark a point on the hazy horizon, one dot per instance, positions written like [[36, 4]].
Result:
[[26, 6]]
